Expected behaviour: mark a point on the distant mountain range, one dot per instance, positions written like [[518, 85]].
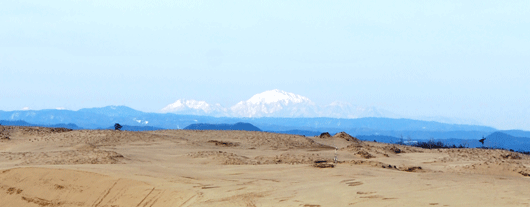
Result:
[[275, 103], [498, 139], [24, 123], [370, 129], [104, 117], [75, 127], [236, 126]]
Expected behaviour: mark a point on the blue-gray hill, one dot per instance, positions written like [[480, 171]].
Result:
[[506, 141], [103, 117], [236, 126], [24, 123]]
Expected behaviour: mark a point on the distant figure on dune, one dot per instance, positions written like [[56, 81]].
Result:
[[117, 127], [482, 141]]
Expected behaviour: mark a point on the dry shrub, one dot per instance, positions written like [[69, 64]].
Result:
[[411, 169], [224, 144]]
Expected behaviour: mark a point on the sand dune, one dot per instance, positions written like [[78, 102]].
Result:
[[61, 187], [53, 167]]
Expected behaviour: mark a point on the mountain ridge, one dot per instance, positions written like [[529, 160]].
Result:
[[95, 118], [275, 103], [236, 126]]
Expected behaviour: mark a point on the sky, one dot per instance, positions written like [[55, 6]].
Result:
[[458, 59]]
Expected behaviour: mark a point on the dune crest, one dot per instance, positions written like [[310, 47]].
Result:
[[55, 167]]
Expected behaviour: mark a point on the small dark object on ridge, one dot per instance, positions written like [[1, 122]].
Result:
[[117, 126], [389, 166], [482, 140]]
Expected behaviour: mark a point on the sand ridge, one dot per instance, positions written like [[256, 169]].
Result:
[[56, 167]]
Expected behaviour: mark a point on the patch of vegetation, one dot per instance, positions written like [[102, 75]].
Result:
[[431, 144]]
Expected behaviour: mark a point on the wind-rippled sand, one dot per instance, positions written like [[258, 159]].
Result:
[[54, 167]]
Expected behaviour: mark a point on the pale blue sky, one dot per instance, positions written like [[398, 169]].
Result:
[[462, 59]]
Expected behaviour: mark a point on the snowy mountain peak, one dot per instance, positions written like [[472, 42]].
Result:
[[183, 104], [276, 103], [275, 96]]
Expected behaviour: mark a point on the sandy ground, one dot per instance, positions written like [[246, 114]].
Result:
[[52, 167]]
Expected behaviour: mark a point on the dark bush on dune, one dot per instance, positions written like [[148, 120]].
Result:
[[431, 144]]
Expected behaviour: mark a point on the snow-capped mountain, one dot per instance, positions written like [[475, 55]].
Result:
[[275, 103], [183, 106]]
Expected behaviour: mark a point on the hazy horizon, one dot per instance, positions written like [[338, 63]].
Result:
[[464, 60]]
